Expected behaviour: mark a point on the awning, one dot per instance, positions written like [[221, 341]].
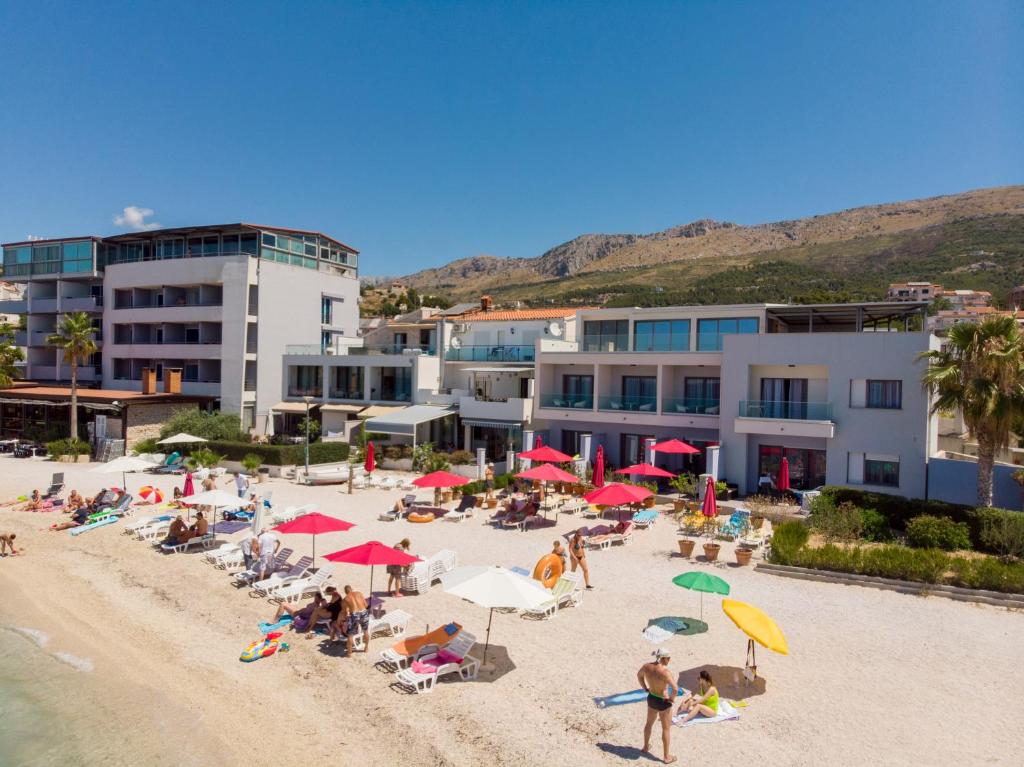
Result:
[[506, 425], [377, 410], [293, 407], [499, 370], [342, 408], [407, 419]]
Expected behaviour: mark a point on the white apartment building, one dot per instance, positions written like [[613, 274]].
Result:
[[913, 291], [824, 386], [220, 303]]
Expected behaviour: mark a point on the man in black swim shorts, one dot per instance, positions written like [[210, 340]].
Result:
[[657, 680]]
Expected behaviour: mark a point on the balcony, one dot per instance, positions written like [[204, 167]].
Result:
[[605, 343], [392, 349], [633, 403], [487, 353], [797, 419], [310, 391], [516, 409], [39, 337], [690, 406], [14, 306], [571, 401], [81, 304], [21, 338], [44, 305]]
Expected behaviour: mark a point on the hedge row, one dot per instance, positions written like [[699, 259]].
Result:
[[896, 509], [898, 562], [282, 455]]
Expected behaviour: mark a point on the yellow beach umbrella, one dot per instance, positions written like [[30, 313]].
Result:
[[758, 626]]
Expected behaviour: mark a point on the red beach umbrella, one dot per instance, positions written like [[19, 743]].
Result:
[[783, 482], [675, 446], [598, 477], [710, 507], [440, 479], [369, 465], [371, 553], [314, 524], [189, 488], [545, 454], [547, 472], [538, 441], [646, 470], [616, 494]]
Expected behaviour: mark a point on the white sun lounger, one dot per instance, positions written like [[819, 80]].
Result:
[[292, 590], [291, 512], [202, 541], [566, 592], [287, 573], [153, 531], [466, 666], [392, 624]]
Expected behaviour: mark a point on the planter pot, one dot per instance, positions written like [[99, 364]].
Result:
[[446, 496], [74, 459], [711, 551], [678, 506], [686, 546], [743, 555], [757, 522], [491, 503]]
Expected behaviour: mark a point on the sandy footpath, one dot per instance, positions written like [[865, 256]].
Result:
[[873, 677]]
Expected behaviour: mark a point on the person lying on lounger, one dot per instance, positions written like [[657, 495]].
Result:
[[704, 703], [78, 518], [7, 542], [300, 615], [331, 610], [101, 500], [619, 529]]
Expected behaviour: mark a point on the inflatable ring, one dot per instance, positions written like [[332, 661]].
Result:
[[548, 570], [414, 516], [263, 648]]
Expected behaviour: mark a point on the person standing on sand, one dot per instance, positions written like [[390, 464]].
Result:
[[7, 542], [269, 544], [578, 556], [395, 571], [657, 681], [356, 617], [489, 480]]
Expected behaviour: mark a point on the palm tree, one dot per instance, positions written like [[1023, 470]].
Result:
[[980, 372], [75, 336], [9, 354]]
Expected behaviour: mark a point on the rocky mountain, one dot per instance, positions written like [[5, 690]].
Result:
[[700, 247]]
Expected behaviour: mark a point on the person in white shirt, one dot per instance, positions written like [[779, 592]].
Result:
[[241, 484], [247, 550], [269, 544]]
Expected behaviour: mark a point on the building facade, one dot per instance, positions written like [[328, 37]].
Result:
[[189, 298]]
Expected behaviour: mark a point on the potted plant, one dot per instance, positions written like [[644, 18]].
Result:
[[685, 485], [651, 499], [711, 550], [743, 555], [686, 546], [721, 490], [251, 462]]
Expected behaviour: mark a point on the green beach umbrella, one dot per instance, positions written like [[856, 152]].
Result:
[[704, 583]]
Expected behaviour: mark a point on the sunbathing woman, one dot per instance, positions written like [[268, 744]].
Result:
[[704, 704], [35, 502], [578, 556], [300, 615], [75, 502]]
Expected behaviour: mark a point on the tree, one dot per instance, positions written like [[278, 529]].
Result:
[[980, 373], [9, 355], [75, 336]]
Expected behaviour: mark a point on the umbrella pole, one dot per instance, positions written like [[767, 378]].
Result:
[[702, 607], [487, 641]]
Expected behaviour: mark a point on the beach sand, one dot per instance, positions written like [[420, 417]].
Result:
[[873, 677]]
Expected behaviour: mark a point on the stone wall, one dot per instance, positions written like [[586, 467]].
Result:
[[146, 420]]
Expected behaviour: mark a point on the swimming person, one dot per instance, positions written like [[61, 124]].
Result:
[[704, 704], [578, 556], [656, 680]]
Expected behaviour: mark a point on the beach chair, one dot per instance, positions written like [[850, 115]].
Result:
[[175, 464], [154, 531], [572, 506], [406, 483], [225, 552], [123, 507], [422, 674], [199, 541], [388, 483], [247, 576], [567, 591], [56, 486], [463, 511], [294, 589], [737, 524], [420, 576], [409, 649], [644, 519], [133, 527], [592, 512], [755, 538], [299, 569], [289, 513], [392, 624], [359, 483]]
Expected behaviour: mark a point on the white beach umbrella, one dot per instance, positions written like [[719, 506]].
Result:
[[122, 466], [180, 439], [218, 499], [494, 587]]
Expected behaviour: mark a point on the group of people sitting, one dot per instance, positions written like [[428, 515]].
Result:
[[181, 532], [342, 615], [81, 508]]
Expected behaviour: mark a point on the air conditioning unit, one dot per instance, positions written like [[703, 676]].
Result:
[[460, 327]]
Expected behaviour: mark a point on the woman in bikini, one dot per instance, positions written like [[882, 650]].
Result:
[[395, 571], [75, 502], [703, 704], [578, 556]]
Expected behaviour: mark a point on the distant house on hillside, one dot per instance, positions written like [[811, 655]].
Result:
[[912, 291]]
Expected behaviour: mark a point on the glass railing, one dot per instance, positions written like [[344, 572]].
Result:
[[390, 348], [487, 353], [691, 405], [661, 342], [605, 343], [299, 391], [345, 394], [303, 349], [633, 402], [800, 411], [396, 396], [576, 401]]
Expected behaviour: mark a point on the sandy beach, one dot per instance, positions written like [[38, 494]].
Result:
[[873, 676]]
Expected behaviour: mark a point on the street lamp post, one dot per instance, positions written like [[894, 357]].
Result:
[[307, 400]]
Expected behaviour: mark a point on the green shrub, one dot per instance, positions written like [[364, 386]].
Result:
[[309, 427], [874, 527], [836, 522], [211, 426], [927, 532], [251, 462], [787, 539], [998, 531], [147, 446], [461, 458], [204, 457], [988, 573], [283, 455], [897, 509], [62, 447], [426, 461]]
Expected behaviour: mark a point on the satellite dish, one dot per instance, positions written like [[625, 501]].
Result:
[[555, 329], [456, 343]]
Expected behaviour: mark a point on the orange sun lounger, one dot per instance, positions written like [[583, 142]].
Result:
[[405, 650]]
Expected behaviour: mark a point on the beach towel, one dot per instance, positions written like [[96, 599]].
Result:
[[726, 710], [620, 699], [657, 634]]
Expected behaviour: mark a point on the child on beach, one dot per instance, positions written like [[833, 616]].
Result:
[[7, 542]]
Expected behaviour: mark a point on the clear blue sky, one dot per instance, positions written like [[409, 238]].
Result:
[[420, 133]]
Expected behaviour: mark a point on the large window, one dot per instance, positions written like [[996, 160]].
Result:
[[347, 383], [605, 335], [639, 393], [702, 395], [710, 332], [882, 472], [326, 306], [306, 380], [887, 395], [661, 336], [578, 385], [806, 467]]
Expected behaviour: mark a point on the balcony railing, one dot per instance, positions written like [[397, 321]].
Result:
[[490, 353], [603, 343], [345, 394], [575, 401], [392, 349], [636, 403], [396, 396], [306, 349], [798, 411], [304, 391], [690, 405]]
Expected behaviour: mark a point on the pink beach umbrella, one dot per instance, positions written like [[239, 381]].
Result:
[[783, 482], [598, 478], [710, 507], [370, 465], [189, 488], [675, 446]]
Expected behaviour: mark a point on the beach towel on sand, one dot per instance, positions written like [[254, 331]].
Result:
[[726, 710]]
